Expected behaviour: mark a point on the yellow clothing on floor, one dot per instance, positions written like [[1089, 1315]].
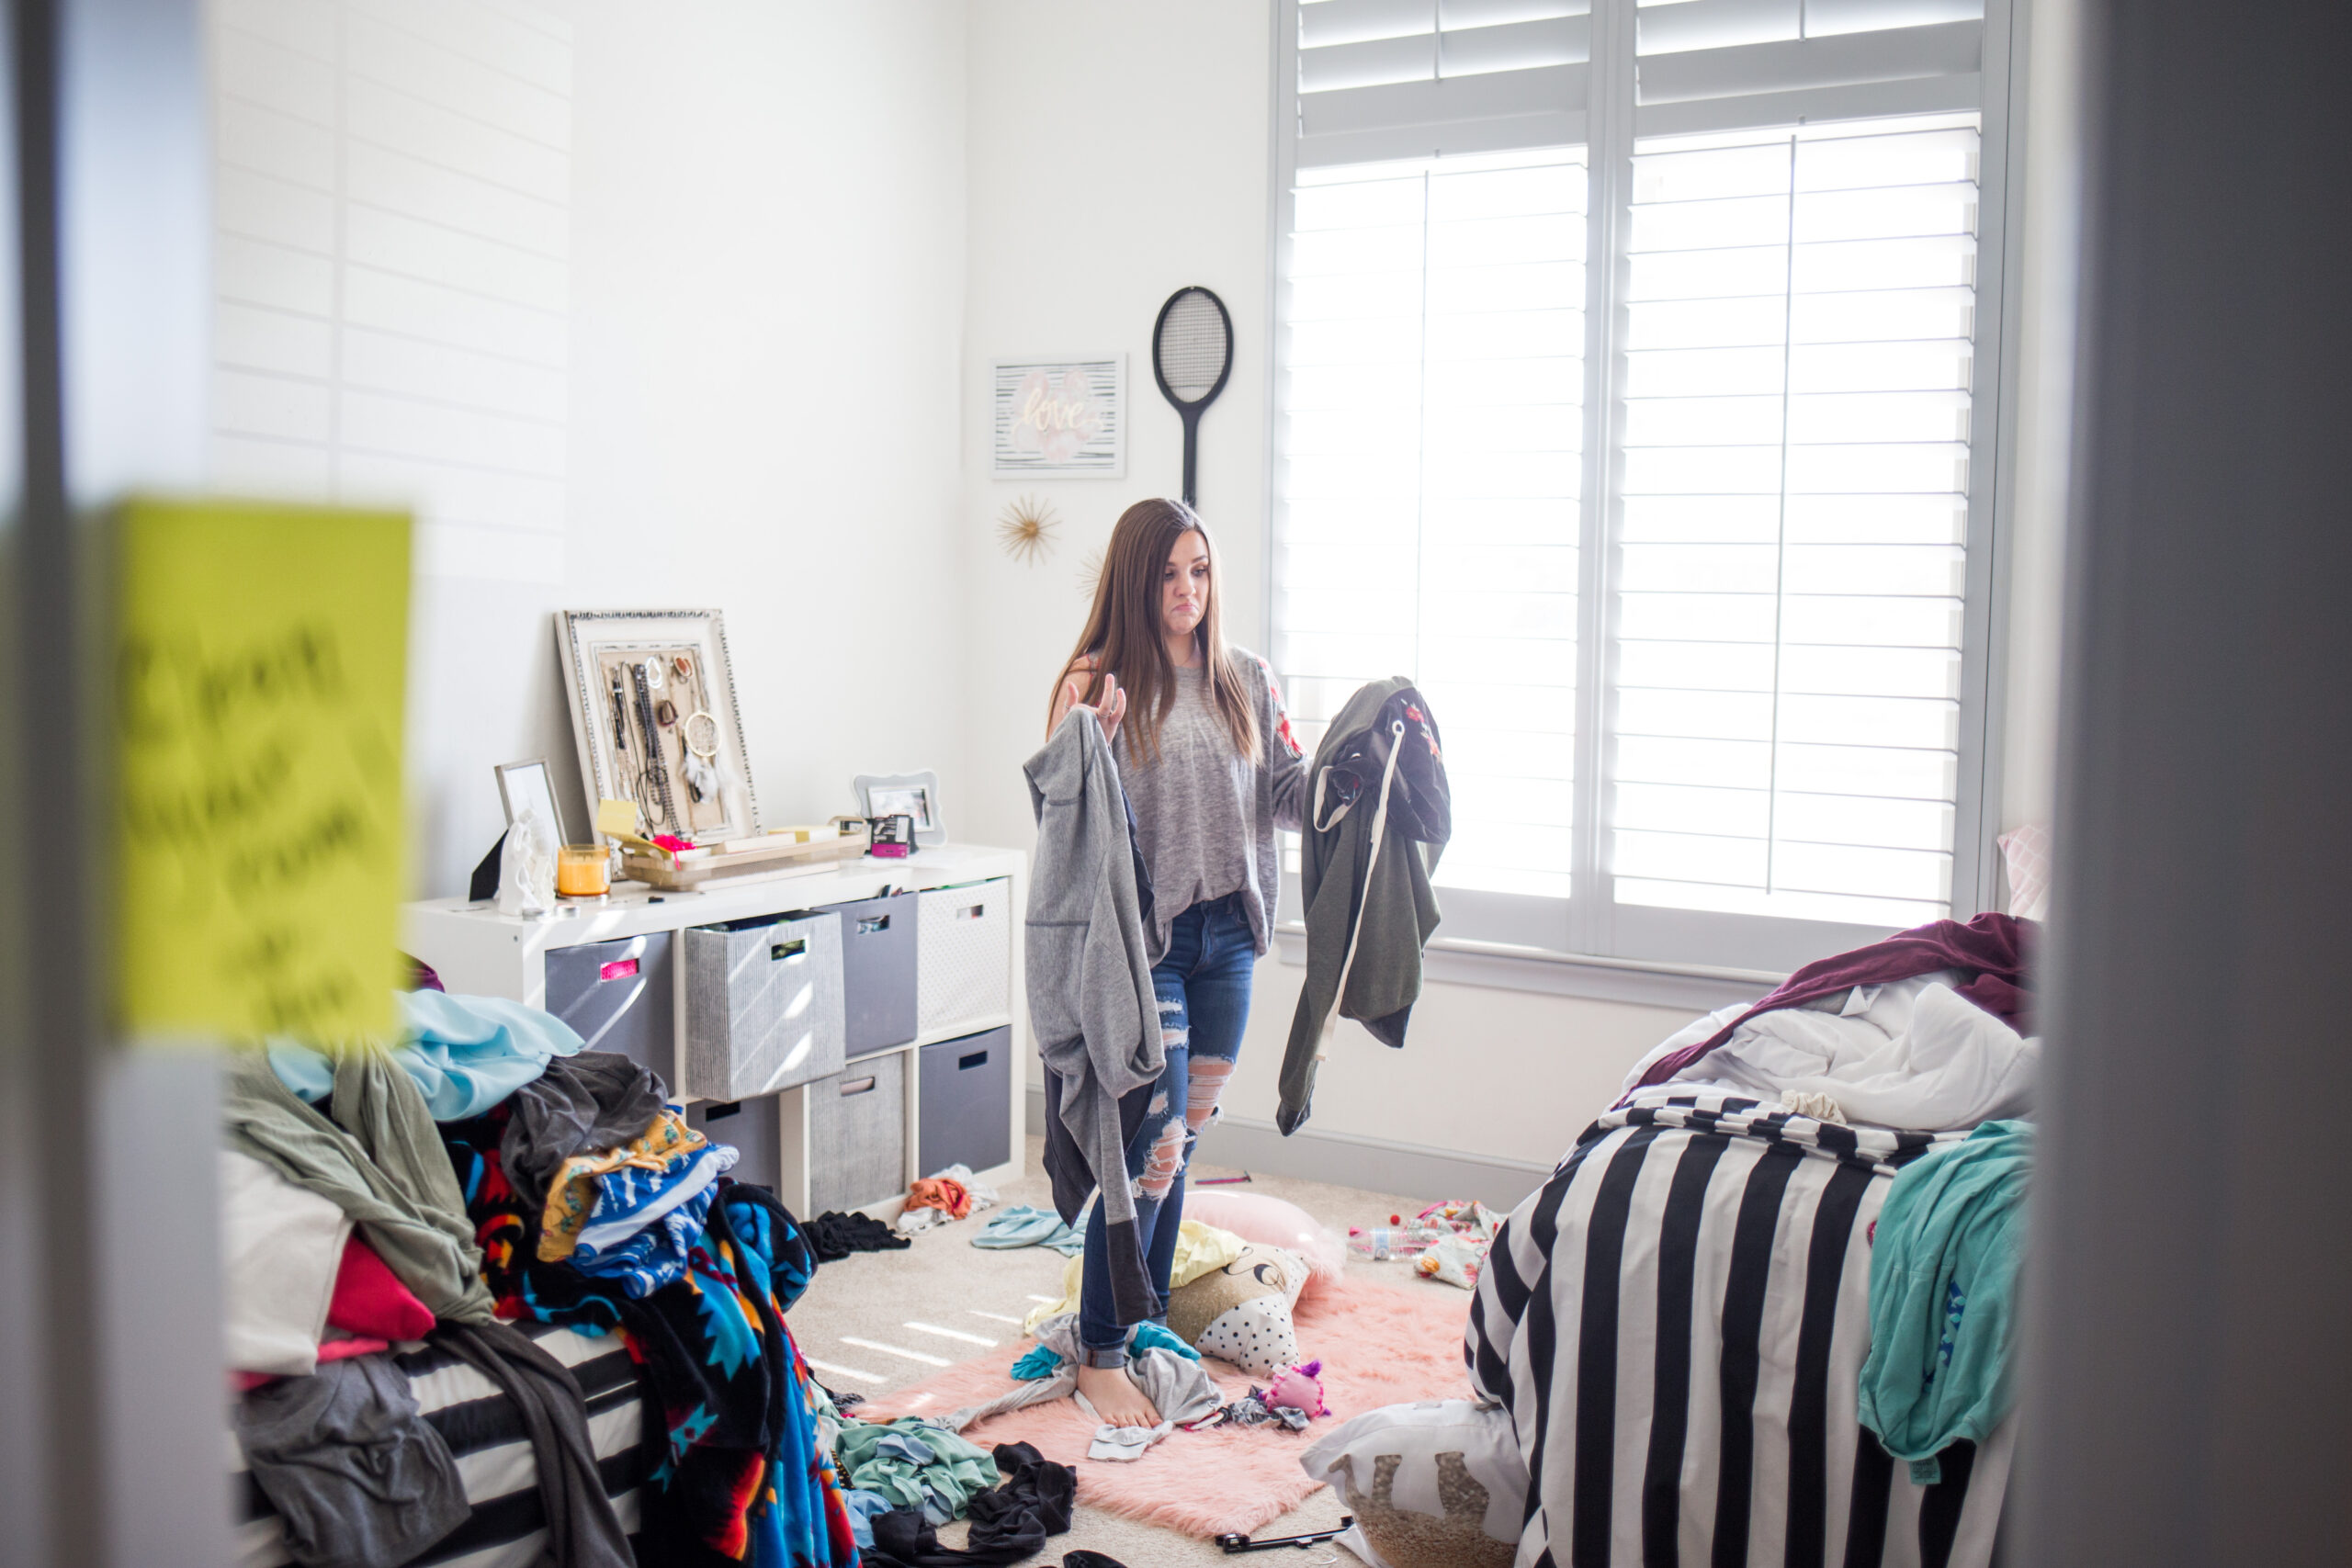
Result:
[[1199, 1249]]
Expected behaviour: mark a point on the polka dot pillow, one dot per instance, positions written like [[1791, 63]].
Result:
[[1241, 1312]]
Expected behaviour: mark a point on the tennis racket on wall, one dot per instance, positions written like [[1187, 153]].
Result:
[[1191, 355]]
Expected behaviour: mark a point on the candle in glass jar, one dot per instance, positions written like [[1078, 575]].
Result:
[[582, 871]]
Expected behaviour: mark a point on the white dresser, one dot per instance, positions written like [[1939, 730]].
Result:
[[832, 1145]]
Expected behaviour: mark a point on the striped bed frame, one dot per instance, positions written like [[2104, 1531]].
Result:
[[484, 1432], [1677, 1323]]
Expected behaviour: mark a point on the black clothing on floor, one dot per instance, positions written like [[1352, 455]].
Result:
[[1010, 1522], [836, 1235]]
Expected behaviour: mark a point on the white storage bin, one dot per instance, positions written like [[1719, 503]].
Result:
[[965, 942]]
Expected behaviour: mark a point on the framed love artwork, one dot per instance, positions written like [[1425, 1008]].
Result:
[[1059, 418], [654, 710]]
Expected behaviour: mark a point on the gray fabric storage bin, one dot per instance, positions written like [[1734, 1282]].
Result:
[[618, 996], [966, 953], [857, 1134], [878, 965], [750, 1126], [763, 1005], [965, 1108]]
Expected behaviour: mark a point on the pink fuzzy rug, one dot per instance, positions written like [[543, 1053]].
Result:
[[1380, 1345]]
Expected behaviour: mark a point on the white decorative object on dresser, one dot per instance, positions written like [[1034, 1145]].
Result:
[[899, 980]]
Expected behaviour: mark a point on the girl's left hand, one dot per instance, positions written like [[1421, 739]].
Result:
[[1107, 712]]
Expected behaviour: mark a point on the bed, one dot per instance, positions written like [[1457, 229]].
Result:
[[1676, 1323], [484, 1432]]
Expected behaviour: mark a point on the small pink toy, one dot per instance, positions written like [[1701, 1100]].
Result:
[[1300, 1389]]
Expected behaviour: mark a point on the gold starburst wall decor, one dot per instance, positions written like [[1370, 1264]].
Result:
[[1089, 574], [1026, 529]]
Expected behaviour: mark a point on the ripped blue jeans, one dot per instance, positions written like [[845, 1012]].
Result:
[[1203, 985]]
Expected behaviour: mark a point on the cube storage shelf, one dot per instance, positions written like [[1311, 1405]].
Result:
[[925, 981]]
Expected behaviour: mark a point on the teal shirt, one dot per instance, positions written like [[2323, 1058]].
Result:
[[915, 1464], [1944, 1266], [466, 1053]]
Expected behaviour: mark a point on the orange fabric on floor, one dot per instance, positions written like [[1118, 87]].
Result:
[[940, 1192]]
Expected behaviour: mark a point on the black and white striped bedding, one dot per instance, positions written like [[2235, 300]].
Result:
[[1676, 1322], [485, 1433]]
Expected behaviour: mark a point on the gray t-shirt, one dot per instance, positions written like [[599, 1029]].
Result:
[[1205, 813]]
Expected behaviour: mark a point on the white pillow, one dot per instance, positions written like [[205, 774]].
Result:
[[2025, 852], [280, 1248], [1434, 1484]]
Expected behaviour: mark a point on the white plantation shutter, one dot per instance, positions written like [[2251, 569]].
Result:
[[1765, 589], [1717, 65], [1433, 418], [1793, 505], [1384, 79]]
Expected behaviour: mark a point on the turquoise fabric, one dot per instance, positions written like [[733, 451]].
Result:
[[1943, 1295], [468, 1053], [1158, 1337], [1022, 1226], [914, 1464], [306, 1073], [1040, 1362], [465, 1054]]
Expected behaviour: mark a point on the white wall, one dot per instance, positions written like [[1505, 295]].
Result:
[[744, 270], [1117, 152]]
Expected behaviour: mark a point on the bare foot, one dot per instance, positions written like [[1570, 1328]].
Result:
[[1117, 1401]]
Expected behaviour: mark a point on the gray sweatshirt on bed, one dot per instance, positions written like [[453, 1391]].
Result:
[[1091, 996]]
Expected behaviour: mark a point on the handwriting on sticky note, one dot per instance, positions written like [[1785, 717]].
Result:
[[260, 669]]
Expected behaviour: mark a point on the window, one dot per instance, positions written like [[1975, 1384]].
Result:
[[1687, 548], [1433, 422]]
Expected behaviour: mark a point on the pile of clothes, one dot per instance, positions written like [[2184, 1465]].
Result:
[[908, 1477], [1930, 1029], [483, 1170], [950, 1194]]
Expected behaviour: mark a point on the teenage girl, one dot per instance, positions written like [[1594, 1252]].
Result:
[[1206, 753]]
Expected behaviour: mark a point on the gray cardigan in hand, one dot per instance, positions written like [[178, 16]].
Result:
[[1091, 996]]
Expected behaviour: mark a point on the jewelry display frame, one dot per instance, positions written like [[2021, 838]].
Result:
[[586, 644]]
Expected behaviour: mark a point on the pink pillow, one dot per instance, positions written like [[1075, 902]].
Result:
[[1253, 1216], [2025, 852]]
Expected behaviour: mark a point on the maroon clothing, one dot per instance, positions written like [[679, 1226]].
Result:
[[1992, 951]]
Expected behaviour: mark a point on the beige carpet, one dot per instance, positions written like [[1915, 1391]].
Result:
[[878, 1320]]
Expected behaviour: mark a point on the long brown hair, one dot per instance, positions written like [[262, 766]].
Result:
[[1123, 635]]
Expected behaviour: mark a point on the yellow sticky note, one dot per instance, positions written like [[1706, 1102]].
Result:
[[262, 659]]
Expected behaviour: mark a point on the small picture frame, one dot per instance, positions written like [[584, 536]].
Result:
[[904, 794], [529, 784]]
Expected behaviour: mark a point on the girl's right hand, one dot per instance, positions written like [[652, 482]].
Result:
[[1107, 711]]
